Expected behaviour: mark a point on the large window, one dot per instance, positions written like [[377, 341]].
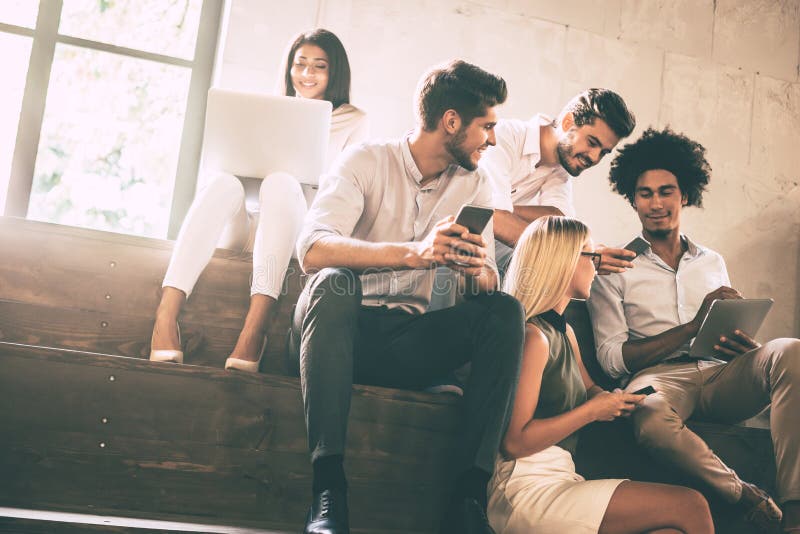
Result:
[[103, 106]]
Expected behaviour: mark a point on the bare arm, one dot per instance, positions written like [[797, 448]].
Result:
[[442, 246], [525, 434], [339, 251], [643, 353], [509, 226]]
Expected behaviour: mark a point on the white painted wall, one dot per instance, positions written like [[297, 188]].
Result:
[[725, 72]]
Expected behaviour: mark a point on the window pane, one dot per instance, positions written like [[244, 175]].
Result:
[[16, 51], [110, 139], [19, 12], [168, 28]]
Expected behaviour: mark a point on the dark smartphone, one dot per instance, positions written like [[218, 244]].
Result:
[[647, 390], [475, 218], [637, 246]]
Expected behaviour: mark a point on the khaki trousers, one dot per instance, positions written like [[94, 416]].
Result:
[[724, 393]]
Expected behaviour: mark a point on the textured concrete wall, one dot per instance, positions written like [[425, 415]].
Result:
[[723, 71]]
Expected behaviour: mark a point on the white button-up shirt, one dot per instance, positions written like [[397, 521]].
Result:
[[373, 193], [649, 299], [512, 168]]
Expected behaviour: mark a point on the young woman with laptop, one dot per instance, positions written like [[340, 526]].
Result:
[[535, 487], [317, 68]]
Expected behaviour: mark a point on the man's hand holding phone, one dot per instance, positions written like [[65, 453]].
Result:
[[446, 243], [614, 260], [468, 252]]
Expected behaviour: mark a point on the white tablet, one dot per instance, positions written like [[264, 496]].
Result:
[[723, 318]]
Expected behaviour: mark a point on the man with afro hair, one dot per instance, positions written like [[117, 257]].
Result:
[[644, 319]]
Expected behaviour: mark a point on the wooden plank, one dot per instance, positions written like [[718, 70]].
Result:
[[48, 522], [108, 333], [64, 522], [194, 440], [53, 272]]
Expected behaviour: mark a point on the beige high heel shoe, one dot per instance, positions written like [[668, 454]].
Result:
[[247, 365], [167, 355]]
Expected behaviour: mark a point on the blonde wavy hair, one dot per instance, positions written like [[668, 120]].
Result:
[[544, 262]]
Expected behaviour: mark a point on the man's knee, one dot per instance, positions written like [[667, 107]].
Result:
[[655, 426], [785, 354], [505, 319], [505, 311], [334, 291]]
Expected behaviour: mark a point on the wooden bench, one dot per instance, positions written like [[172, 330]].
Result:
[[91, 426]]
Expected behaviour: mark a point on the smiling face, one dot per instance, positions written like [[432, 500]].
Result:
[[658, 202], [585, 271], [581, 147], [310, 71], [467, 144]]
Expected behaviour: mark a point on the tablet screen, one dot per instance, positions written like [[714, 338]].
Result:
[[723, 318]]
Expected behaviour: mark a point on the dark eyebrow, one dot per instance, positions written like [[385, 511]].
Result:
[[596, 140]]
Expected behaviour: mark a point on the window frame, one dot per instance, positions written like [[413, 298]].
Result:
[[45, 38]]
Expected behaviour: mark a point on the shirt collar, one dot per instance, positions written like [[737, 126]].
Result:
[[412, 169], [555, 320], [408, 160], [531, 146], [693, 250]]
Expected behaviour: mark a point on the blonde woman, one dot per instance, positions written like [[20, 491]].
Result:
[[535, 487]]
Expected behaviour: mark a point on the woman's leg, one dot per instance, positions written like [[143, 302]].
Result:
[[282, 208], [644, 507], [218, 207]]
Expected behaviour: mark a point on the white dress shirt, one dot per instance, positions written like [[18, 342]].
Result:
[[649, 299], [512, 168], [373, 193]]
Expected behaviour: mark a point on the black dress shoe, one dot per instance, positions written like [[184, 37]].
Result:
[[328, 514], [465, 516]]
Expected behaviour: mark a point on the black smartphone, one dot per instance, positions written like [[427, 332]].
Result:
[[474, 217], [637, 246], [647, 390]]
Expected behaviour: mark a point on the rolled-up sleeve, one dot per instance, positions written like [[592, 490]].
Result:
[[498, 163], [484, 198], [557, 192], [607, 313], [339, 203]]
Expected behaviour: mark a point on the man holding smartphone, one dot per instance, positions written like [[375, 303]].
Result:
[[381, 223], [532, 166], [645, 318]]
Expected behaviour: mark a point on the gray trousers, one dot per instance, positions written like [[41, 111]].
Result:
[[724, 393], [337, 342]]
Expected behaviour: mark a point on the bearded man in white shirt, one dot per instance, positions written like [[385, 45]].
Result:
[[380, 224], [532, 166], [645, 318]]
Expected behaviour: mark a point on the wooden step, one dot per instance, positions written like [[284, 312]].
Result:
[[142, 437], [20, 520]]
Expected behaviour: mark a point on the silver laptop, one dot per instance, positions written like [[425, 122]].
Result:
[[252, 135]]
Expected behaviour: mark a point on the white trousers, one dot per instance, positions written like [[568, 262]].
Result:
[[218, 217]]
